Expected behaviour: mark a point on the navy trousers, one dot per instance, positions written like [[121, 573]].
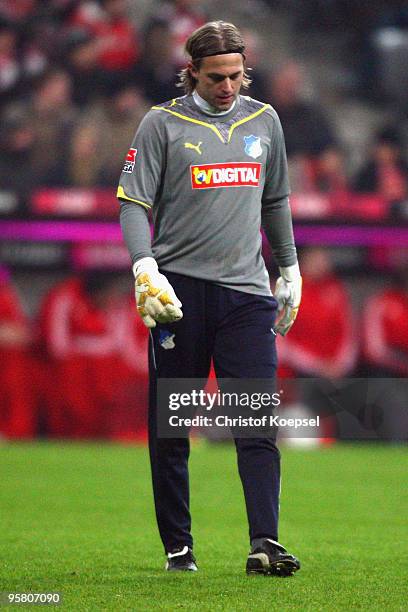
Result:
[[233, 328]]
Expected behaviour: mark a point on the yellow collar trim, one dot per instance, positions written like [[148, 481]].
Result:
[[204, 123], [245, 119], [210, 125]]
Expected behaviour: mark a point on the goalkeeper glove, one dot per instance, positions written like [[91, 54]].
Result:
[[155, 297], [288, 292]]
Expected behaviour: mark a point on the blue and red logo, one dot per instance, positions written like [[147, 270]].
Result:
[[130, 160]]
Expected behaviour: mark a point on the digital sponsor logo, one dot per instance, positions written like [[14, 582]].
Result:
[[130, 160], [233, 174]]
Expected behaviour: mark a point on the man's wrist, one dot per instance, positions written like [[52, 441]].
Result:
[[146, 264], [290, 273]]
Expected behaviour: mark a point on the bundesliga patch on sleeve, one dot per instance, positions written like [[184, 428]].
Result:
[[233, 174], [130, 160]]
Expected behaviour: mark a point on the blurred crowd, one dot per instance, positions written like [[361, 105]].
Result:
[[77, 76], [372, 36], [79, 368], [317, 161]]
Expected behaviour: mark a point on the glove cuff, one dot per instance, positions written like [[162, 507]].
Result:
[[146, 264], [290, 273]]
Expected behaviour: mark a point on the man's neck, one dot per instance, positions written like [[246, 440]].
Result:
[[208, 109]]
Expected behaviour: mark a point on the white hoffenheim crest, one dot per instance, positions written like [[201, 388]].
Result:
[[166, 339], [253, 146]]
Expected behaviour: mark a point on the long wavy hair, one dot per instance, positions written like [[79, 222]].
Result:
[[213, 38]]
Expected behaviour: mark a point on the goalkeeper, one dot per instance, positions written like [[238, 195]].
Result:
[[211, 167]]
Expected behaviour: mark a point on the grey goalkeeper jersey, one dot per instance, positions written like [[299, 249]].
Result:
[[210, 182]]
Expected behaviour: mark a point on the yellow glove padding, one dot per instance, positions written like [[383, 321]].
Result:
[[155, 297]]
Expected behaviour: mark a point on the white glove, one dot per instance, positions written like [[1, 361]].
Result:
[[155, 297], [288, 293]]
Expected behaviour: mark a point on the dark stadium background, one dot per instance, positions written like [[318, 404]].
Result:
[[75, 79]]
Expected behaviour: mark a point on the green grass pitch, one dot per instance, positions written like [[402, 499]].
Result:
[[79, 519]]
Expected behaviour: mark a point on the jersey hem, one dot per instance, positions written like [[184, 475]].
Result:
[[251, 289]]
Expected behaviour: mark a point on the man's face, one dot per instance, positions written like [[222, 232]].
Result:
[[219, 79]]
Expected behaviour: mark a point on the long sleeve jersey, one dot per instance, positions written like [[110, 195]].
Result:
[[211, 183]]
